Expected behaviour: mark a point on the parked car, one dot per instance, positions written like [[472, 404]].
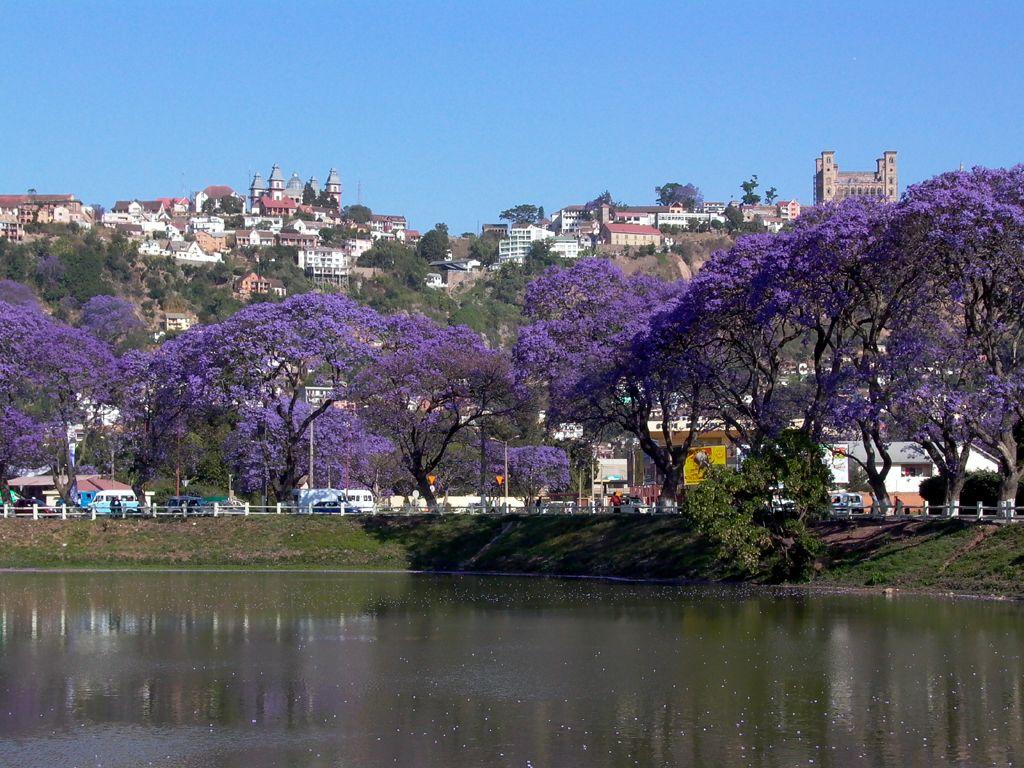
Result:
[[185, 504], [559, 508], [114, 503]]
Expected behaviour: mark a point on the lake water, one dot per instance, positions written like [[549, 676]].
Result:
[[353, 670]]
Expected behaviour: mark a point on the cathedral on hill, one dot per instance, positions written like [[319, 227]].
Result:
[[275, 197]]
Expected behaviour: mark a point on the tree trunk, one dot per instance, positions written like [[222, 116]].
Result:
[[1008, 485], [954, 487], [670, 486], [423, 486]]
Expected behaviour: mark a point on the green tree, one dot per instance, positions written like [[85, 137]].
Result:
[[360, 214], [750, 197], [434, 245], [524, 213], [733, 218], [770, 195], [757, 516]]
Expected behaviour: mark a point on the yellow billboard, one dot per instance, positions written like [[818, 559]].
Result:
[[699, 459]]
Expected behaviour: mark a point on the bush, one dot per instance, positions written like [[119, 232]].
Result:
[[735, 509]]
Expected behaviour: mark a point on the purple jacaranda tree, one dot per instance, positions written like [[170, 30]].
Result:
[[936, 398], [590, 345], [345, 455], [21, 446], [968, 227], [746, 327], [111, 319], [56, 376], [853, 286], [17, 294], [267, 355], [533, 468], [428, 387], [150, 395]]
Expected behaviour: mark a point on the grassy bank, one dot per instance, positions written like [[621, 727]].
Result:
[[938, 555]]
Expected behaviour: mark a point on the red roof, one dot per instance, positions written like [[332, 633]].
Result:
[[268, 202], [7, 201], [632, 229], [217, 191]]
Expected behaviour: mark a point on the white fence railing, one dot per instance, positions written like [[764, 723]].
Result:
[[1002, 512]]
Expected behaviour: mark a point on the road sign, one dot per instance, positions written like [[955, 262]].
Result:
[[315, 396]]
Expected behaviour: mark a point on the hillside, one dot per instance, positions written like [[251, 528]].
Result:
[[63, 268]]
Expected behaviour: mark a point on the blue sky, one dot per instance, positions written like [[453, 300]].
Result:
[[453, 111]]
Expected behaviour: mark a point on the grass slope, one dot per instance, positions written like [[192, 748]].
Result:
[[941, 555]]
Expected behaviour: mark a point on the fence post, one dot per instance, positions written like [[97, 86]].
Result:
[[247, 509], [92, 512], [35, 511], [5, 509], [216, 508], [63, 511], [981, 509], [954, 509], [278, 507]]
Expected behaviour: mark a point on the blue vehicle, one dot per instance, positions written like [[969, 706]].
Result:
[[114, 503]]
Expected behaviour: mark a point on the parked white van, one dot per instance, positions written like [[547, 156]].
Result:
[[359, 500], [114, 502]]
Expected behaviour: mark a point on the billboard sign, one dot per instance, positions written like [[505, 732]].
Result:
[[699, 460]]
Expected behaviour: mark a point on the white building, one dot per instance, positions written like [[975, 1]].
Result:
[[326, 265], [910, 465], [521, 237], [214, 225], [255, 221], [152, 248], [191, 253], [566, 246], [434, 280]]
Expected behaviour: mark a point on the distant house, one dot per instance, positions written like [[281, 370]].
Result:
[[327, 265], [212, 242], [11, 228], [910, 465], [255, 238], [178, 321], [212, 224], [253, 284], [216, 193], [434, 280], [45, 209], [294, 239], [630, 234], [410, 236], [285, 207], [382, 225], [152, 248], [191, 253], [516, 247]]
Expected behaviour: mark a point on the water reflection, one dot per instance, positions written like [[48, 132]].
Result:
[[235, 669]]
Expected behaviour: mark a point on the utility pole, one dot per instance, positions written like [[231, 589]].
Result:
[[505, 484], [483, 467]]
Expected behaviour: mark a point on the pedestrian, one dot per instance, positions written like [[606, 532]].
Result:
[[115, 507]]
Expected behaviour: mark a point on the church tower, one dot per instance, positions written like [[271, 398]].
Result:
[[276, 183], [333, 187], [256, 190]]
